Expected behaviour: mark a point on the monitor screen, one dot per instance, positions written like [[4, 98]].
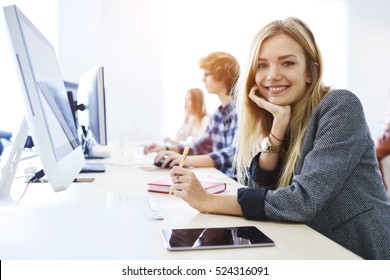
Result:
[[71, 90], [47, 109], [91, 94]]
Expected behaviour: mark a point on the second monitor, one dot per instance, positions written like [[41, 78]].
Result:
[[91, 94], [89, 112]]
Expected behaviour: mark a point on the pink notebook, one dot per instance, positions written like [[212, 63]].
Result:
[[163, 185]]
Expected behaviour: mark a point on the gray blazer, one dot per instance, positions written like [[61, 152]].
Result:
[[337, 188]]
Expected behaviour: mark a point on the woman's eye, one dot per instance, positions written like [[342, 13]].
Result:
[[261, 65], [288, 63]]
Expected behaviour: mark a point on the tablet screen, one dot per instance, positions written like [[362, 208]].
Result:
[[215, 237]]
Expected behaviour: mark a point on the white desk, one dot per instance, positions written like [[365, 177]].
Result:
[[86, 229]]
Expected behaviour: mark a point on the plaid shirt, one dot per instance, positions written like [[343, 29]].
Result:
[[217, 141]]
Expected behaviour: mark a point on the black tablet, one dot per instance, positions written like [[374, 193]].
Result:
[[214, 237]]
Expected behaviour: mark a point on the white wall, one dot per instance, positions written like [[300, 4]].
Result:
[[369, 58], [151, 48], [193, 29], [139, 41], [125, 37]]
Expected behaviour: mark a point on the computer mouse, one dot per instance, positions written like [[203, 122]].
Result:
[[161, 161]]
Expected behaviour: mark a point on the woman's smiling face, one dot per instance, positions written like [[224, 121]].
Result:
[[281, 73]]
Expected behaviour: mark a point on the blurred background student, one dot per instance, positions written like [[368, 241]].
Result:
[[195, 121], [215, 147], [6, 138]]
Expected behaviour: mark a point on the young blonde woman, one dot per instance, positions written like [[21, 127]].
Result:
[[304, 151], [196, 118]]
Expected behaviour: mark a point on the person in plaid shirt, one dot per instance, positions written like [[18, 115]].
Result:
[[215, 148]]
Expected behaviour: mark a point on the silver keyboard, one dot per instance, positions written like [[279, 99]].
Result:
[[126, 200]]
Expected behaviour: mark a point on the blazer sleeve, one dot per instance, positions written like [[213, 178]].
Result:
[[333, 147], [264, 178]]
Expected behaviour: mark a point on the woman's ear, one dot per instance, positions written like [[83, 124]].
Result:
[[316, 66], [309, 76]]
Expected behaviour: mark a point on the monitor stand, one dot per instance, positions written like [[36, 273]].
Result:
[[9, 170], [92, 167], [87, 144]]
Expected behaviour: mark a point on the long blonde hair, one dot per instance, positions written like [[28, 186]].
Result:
[[255, 123]]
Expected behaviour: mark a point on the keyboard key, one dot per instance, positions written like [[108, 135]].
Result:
[[126, 201]]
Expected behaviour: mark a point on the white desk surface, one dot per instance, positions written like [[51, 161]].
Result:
[[75, 224]]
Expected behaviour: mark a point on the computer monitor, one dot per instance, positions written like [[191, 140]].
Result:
[[71, 90], [47, 110], [88, 103], [91, 103]]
